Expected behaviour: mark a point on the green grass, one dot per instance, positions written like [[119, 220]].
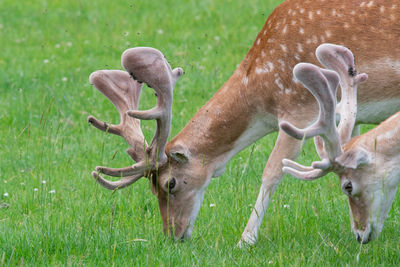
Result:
[[48, 50]]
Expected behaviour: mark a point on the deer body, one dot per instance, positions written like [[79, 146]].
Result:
[[262, 92]]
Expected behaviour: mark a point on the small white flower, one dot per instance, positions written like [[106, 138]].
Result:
[[44, 182], [216, 38], [212, 205], [160, 31], [69, 44], [52, 191], [58, 45], [5, 181], [22, 183], [286, 206], [5, 194], [45, 61], [64, 79], [270, 262], [35, 189]]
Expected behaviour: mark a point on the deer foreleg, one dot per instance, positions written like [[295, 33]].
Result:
[[285, 147]]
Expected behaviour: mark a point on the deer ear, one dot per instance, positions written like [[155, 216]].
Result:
[[179, 153], [353, 158]]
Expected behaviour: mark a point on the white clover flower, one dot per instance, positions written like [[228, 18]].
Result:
[[286, 206], [45, 61], [64, 79], [270, 262], [212, 205], [69, 44], [5, 181], [52, 191], [58, 45], [22, 183], [160, 31], [5, 194], [35, 189], [44, 182]]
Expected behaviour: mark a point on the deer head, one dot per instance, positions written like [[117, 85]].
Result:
[[179, 199], [354, 160]]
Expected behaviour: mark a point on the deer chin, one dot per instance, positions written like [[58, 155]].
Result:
[[366, 235]]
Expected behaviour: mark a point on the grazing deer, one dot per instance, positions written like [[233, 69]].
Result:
[[368, 165], [259, 95]]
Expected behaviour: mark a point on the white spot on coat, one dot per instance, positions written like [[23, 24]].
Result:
[[300, 48], [283, 65], [310, 15], [278, 82], [370, 4], [284, 48], [268, 67], [258, 41], [301, 30], [328, 33], [284, 29], [245, 80]]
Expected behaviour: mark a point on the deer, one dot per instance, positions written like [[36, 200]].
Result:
[[367, 165], [251, 104]]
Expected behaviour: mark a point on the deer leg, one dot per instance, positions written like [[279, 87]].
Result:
[[285, 147]]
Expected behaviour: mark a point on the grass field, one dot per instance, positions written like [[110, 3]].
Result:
[[53, 213]]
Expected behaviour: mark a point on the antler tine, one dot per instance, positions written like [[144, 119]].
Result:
[[124, 182], [341, 60], [302, 172], [322, 84], [149, 65], [124, 93]]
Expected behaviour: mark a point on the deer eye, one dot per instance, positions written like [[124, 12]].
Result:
[[170, 185], [347, 187]]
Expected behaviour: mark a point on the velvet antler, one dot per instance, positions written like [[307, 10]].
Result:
[[329, 139], [143, 65]]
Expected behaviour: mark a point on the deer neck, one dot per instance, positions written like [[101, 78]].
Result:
[[235, 117]]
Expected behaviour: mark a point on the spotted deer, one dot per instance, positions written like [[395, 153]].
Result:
[[259, 95], [367, 165]]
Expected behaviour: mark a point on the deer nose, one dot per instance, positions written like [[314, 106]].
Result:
[[361, 240]]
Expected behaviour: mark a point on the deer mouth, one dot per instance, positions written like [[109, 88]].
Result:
[[364, 237]]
